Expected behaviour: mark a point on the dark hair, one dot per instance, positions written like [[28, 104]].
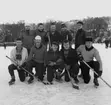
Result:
[[80, 22], [53, 23], [63, 25], [66, 41], [40, 24], [55, 43], [18, 39]]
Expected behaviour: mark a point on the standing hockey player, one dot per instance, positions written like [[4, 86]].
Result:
[[36, 59], [87, 53], [18, 56], [53, 35], [80, 37], [70, 59], [65, 33], [53, 62]]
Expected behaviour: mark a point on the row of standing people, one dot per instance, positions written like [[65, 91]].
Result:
[[67, 58]]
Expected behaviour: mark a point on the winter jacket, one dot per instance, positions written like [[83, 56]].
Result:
[[56, 37], [37, 54], [24, 56], [80, 38], [54, 57], [66, 35], [71, 57]]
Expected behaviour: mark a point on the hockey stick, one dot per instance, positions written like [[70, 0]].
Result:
[[49, 40], [24, 69], [97, 74], [73, 85]]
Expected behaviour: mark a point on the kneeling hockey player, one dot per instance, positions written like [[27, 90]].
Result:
[[53, 62], [36, 59], [87, 53], [70, 59], [18, 56]]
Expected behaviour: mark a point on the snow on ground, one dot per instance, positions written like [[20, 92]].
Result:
[[57, 94]]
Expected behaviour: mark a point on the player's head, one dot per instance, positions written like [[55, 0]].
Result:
[[18, 42], [55, 46], [66, 44], [80, 24], [53, 27], [88, 41], [38, 41], [41, 26], [63, 27]]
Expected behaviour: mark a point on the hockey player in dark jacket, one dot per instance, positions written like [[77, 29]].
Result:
[[65, 33], [80, 35], [53, 61], [70, 59], [53, 35]]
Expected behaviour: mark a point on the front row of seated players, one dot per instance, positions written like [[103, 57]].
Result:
[[55, 61]]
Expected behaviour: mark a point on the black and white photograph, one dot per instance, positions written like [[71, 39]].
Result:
[[55, 52]]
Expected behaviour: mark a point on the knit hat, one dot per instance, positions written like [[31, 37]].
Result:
[[80, 22], [38, 37], [89, 38], [55, 43]]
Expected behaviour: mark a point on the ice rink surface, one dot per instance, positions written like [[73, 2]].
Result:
[[57, 94]]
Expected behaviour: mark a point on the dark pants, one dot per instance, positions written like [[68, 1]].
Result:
[[106, 43], [73, 71], [85, 70], [39, 67], [110, 42], [51, 70], [21, 72]]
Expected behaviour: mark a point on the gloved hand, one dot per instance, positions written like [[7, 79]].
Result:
[[100, 73], [80, 57], [51, 63]]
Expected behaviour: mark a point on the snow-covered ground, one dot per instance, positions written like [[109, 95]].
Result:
[[57, 94]]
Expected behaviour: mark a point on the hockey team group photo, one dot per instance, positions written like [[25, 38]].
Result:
[[51, 59]]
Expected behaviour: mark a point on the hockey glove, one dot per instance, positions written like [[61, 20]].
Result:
[[100, 73], [80, 57]]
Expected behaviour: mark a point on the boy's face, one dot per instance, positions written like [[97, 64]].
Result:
[[40, 27], [54, 47], [66, 45], [18, 43], [63, 29], [88, 44], [79, 26], [53, 28]]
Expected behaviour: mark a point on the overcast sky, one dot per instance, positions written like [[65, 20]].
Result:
[[42, 10]]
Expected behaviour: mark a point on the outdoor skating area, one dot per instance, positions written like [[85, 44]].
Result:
[[57, 94]]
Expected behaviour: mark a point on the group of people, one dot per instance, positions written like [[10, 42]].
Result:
[[42, 51]]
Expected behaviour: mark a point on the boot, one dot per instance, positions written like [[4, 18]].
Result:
[[30, 80], [12, 81], [95, 81]]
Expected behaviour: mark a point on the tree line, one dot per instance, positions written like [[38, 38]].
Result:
[[92, 24]]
